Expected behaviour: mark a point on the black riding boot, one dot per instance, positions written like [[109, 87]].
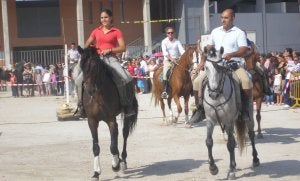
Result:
[[81, 110], [246, 98], [164, 94], [266, 86], [199, 113]]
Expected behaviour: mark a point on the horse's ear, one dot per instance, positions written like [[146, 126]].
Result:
[[80, 50], [205, 50], [221, 50]]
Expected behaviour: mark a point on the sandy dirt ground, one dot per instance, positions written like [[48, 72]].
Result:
[[35, 146]]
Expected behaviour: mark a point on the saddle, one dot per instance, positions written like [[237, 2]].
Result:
[[169, 74], [237, 88]]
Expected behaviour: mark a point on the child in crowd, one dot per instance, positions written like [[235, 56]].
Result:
[[39, 81], [140, 73], [278, 86], [13, 83]]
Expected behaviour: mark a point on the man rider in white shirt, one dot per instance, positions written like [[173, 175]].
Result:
[[172, 50]]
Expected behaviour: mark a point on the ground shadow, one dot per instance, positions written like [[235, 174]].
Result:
[[275, 169], [280, 135], [163, 168]]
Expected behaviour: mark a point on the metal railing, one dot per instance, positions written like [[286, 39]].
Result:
[[295, 89], [44, 57]]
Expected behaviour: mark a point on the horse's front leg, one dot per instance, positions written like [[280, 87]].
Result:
[[209, 144], [179, 108], [162, 106], [170, 108], [186, 108], [93, 125], [114, 132], [230, 146]]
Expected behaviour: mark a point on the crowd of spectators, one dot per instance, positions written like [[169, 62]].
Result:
[[280, 68], [49, 80]]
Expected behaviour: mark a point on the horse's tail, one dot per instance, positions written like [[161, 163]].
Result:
[[241, 134], [130, 121], [155, 93]]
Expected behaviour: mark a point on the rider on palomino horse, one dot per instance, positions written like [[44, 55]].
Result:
[[172, 49]]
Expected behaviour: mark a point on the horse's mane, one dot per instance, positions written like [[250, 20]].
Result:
[[93, 67]]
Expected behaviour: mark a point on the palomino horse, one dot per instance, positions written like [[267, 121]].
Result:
[[102, 102], [258, 93], [220, 101], [180, 85]]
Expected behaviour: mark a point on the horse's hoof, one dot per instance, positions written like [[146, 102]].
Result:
[[256, 163], [213, 169], [116, 168], [95, 177], [123, 165], [188, 125], [260, 136], [231, 176]]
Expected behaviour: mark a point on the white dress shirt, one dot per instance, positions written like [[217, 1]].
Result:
[[230, 40], [172, 48]]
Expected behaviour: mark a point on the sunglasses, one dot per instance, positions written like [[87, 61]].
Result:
[[170, 32]]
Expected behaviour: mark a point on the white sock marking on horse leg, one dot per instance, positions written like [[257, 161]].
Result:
[[115, 160], [187, 119], [97, 164]]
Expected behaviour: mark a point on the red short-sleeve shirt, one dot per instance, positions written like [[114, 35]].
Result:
[[106, 40]]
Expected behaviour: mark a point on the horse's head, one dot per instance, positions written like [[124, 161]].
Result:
[[93, 67], [87, 54], [189, 57], [214, 71]]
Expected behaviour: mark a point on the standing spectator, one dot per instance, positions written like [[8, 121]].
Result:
[[290, 66], [46, 81], [39, 81], [131, 69], [140, 73], [73, 57], [53, 83], [13, 82], [277, 86], [152, 67], [144, 66], [60, 79], [28, 80]]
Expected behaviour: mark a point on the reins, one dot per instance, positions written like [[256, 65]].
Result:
[[219, 89]]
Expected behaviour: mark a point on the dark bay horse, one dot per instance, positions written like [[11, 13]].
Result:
[[180, 85], [102, 102], [221, 104], [258, 93]]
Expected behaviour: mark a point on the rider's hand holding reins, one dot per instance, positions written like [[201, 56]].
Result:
[[106, 52]]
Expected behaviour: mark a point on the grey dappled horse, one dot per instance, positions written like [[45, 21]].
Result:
[[78, 78], [221, 101]]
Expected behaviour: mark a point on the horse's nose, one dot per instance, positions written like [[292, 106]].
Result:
[[214, 95]]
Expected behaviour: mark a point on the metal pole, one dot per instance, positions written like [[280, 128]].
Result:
[[66, 74], [80, 29], [206, 17], [6, 43], [147, 26]]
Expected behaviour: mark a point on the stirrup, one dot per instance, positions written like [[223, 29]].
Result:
[[164, 95]]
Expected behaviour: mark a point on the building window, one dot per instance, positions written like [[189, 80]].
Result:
[[90, 12], [111, 5], [100, 6], [38, 18], [122, 18]]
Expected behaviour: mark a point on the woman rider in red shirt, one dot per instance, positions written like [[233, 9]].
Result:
[[109, 41]]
